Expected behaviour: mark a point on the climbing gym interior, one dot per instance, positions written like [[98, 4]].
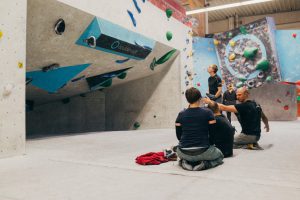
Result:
[[88, 85]]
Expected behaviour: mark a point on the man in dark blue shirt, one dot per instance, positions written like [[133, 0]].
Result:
[[192, 131]]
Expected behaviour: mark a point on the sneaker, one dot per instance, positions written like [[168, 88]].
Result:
[[257, 146], [199, 167], [185, 165], [250, 146]]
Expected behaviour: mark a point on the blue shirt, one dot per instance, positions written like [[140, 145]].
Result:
[[195, 127]]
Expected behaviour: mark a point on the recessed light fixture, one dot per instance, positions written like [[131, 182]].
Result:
[[231, 5]]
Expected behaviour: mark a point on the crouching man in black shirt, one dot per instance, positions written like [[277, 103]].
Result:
[[221, 133], [250, 115], [192, 131]]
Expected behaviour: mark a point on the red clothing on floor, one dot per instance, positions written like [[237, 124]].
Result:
[[152, 158]]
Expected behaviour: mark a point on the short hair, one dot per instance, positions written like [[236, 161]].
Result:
[[214, 67], [214, 107], [192, 95]]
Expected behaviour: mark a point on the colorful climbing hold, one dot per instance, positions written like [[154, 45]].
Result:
[[20, 65], [137, 6], [122, 76], [294, 35], [169, 12], [239, 84], [229, 34], [132, 18], [250, 52], [232, 43], [165, 57], [243, 30], [122, 61], [216, 42], [286, 107], [263, 65], [269, 79], [136, 125], [231, 57], [169, 35]]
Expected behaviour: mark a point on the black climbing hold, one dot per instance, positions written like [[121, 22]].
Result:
[[154, 116], [78, 79], [60, 27], [136, 125], [66, 100], [28, 80], [50, 67], [82, 95], [91, 41]]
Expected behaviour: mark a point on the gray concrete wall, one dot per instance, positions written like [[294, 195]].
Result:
[[12, 76], [273, 98], [81, 114], [153, 101]]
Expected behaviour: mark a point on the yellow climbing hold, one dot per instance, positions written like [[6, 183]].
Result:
[[231, 57], [1, 34], [216, 42], [20, 64], [232, 43]]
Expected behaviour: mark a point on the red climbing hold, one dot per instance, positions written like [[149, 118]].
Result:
[[286, 107], [198, 84], [278, 100], [294, 35]]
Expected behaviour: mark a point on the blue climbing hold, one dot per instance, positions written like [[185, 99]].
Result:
[[137, 6], [132, 18]]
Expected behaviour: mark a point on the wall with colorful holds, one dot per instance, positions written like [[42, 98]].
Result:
[[76, 61], [12, 78]]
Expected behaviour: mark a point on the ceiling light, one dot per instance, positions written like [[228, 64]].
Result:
[[232, 5]]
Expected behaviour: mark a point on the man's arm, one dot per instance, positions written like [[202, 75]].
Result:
[[219, 92], [265, 120], [229, 108], [178, 130]]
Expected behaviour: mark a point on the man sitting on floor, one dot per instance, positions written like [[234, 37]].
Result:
[[221, 133], [192, 131], [250, 116]]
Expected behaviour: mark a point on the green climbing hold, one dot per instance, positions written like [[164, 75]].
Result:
[[165, 57], [136, 125], [243, 30], [239, 84], [106, 83], [169, 35], [269, 79], [242, 78], [122, 76], [153, 64], [298, 98], [169, 12], [229, 35], [263, 65], [250, 52]]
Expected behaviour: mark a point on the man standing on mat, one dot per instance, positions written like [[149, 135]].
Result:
[[214, 84], [250, 116]]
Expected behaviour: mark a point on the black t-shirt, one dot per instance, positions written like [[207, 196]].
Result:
[[195, 127], [213, 83], [229, 98], [221, 134], [249, 117]]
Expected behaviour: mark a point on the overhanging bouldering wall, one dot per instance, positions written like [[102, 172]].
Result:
[[12, 79], [237, 54], [76, 48]]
